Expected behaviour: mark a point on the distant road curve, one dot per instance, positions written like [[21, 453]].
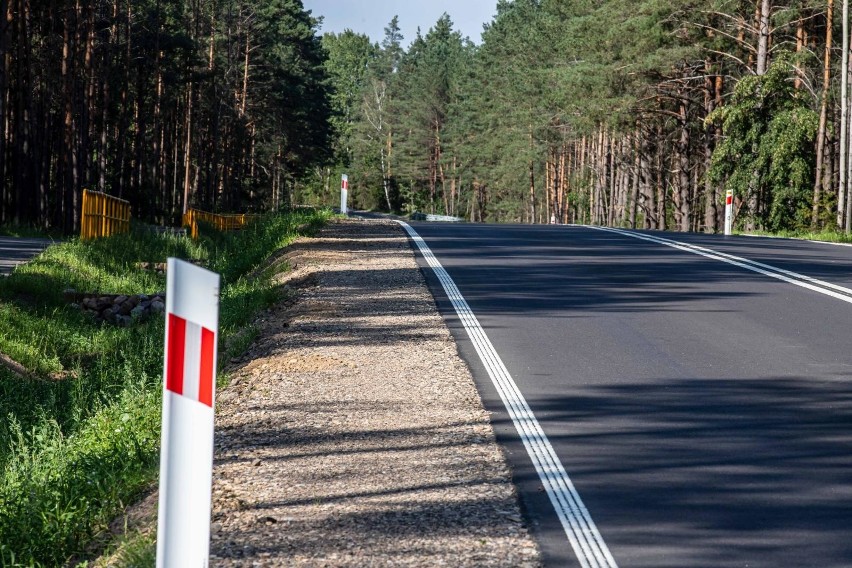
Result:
[[17, 250]]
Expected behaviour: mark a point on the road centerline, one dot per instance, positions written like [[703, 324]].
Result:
[[582, 533]]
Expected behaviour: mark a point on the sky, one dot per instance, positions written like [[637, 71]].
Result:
[[372, 16]]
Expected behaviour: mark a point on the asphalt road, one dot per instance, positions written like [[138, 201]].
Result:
[[703, 411], [15, 250]]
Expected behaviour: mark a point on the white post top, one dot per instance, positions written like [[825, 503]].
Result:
[[193, 293]]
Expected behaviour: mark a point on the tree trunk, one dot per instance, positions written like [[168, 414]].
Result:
[[683, 170], [122, 132], [763, 37], [624, 181], [635, 182], [88, 107], [800, 44], [611, 183], [453, 187], [560, 162], [22, 127], [710, 195], [823, 116], [244, 96], [844, 119], [662, 182], [532, 180], [187, 149], [5, 30], [647, 183], [848, 201], [581, 170], [68, 157], [385, 174], [717, 139]]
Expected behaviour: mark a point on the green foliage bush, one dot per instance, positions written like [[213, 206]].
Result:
[[74, 451], [768, 148]]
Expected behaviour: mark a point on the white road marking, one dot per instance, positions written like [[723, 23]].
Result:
[[838, 292], [588, 545]]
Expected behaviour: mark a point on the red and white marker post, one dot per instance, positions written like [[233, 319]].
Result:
[[189, 388], [344, 194], [729, 211]]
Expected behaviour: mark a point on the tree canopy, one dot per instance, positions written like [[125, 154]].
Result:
[[636, 113], [629, 113], [218, 104]]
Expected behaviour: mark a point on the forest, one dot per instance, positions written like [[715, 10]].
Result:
[[630, 113], [217, 104]]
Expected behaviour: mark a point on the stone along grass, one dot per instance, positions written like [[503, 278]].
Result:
[[79, 434]]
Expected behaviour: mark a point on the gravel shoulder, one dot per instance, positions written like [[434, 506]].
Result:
[[352, 433]]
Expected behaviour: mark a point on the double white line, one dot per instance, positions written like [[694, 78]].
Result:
[[588, 545], [821, 286], [586, 541]]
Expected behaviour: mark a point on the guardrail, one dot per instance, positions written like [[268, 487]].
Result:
[[220, 222], [103, 215]]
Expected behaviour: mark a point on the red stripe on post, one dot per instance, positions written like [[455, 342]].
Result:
[[206, 378], [176, 353]]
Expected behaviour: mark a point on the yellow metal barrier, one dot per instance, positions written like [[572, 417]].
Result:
[[218, 221], [103, 215]]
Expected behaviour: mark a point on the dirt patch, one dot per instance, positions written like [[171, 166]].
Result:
[[296, 363]]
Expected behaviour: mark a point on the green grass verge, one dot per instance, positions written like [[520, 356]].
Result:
[[828, 236], [74, 451], [135, 551]]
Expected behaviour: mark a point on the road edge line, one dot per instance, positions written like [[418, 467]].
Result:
[[582, 533], [794, 278]]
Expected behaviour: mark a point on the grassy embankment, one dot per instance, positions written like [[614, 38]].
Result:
[[826, 236], [77, 447]]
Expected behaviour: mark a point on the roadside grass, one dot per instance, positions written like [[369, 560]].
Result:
[[829, 236], [75, 450], [135, 551]]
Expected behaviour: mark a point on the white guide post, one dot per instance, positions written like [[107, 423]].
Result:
[[729, 211], [344, 194], [189, 385]]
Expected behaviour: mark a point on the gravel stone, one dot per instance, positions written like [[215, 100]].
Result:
[[352, 433]]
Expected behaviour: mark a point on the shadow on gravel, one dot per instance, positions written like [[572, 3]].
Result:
[[353, 518], [380, 454], [719, 473], [420, 525], [370, 441]]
